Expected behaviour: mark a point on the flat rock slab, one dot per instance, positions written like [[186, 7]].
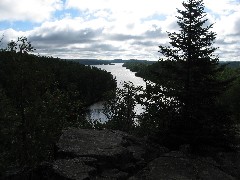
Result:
[[73, 169], [92, 143]]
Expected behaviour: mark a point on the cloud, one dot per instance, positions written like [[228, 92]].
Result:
[[155, 33], [28, 10], [102, 47], [237, 26], [121, 37], [65, 37], [113, 29], [222, 7], [73, 37], [144, 43], [228, 24], [143, 7], [8, 35]]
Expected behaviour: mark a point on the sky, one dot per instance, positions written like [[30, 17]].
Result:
[[111, 29]]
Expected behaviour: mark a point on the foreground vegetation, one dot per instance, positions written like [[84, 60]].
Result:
[[40, 96]]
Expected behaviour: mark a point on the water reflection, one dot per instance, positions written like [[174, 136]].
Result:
[[122, 74]]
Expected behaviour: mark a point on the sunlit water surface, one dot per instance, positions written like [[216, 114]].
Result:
[[122, 74]]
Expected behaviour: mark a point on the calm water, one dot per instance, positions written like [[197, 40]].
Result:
[[122, 74]]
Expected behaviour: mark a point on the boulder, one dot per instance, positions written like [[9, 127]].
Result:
[[93, 143], [230, 162], [177, 165], [73, 169]]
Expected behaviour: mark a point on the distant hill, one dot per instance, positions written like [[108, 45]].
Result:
[[232, 64], [104, 62]]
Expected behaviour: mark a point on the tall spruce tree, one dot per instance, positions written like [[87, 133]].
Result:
[[189, 75]]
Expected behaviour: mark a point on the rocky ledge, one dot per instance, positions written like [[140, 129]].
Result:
[[104, 154]]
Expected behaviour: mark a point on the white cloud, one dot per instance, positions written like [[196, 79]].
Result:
[[11, 34], [115, 29], [76, 38], [28, 10], [137, 9], [222, 7], [228, 24]]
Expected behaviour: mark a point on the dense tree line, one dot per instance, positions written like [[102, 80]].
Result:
[[106, 62], [139, 67], [229, 98], [146, 70], [40, 96], [157, 115]]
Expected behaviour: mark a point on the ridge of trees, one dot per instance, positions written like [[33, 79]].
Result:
[[105, 62], [40, 96]]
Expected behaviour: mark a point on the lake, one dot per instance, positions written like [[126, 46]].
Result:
[[122, 74]]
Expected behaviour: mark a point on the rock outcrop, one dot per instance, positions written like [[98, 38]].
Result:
[[175, 165], [84, 154], [102, 154], [105, 154]]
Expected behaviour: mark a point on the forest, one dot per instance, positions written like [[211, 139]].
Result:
[[39, 97], [230, 97]]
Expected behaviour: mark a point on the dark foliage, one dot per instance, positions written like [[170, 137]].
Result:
[[140, 67], [40, 96], [120, 108], [188, 86]]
